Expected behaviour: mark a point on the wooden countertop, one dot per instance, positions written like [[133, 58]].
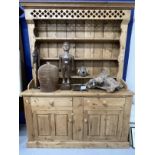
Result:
[[90, 93]]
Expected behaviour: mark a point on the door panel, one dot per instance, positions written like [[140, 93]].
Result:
[[53, 125], [94, 125], [103, 125], [43, 125], [111, 125], [61, 126]]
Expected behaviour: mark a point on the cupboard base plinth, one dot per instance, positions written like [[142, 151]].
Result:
[[76, 144]]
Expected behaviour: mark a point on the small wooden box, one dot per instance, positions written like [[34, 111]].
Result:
[[97, 35]]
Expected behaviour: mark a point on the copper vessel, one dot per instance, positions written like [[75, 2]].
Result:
[[48, 76]]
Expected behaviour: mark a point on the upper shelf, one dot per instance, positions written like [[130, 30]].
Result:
[[41, 39], [81, 59]]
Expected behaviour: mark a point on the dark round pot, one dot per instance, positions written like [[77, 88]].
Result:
[[48, 76]]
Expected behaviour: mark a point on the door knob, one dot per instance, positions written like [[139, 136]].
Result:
[[51, 103], [85, 120], [70, 120]]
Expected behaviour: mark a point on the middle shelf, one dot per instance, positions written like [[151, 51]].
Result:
[[79, 59], [48, 39]]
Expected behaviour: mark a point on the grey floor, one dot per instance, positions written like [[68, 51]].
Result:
[[23, 150]]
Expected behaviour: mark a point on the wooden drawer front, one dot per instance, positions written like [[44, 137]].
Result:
[[43, 103], [104, 103]]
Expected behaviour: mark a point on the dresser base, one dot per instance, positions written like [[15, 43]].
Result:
[[76, 144]]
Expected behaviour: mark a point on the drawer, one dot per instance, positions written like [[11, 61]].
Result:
[[104, 103], [44, 103]]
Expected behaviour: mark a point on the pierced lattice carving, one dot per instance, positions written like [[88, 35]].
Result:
[[77, 14]]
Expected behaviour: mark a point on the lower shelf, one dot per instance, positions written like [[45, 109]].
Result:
[[76, 144]]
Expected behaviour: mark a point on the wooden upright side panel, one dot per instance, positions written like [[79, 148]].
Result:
[[126, 119], [78, 118], [32, 41], [123, 36], [28, 117]]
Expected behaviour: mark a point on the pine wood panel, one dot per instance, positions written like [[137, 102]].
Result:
[[61, 29], [101, 125], [51, 28], [80, 29], [97, 67], [108, 30], [61, 125], [111, 125], [70, 29], [79, 50], [89, 29], [44, 50], [43, 125], [28, 117], [52, 51], [98, 29], [94, 125], [123, 36], [107, 50], [52, 125], [66, 118], [78, 118]]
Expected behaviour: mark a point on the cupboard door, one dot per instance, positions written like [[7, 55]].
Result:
[[103, 125], [52, 125]]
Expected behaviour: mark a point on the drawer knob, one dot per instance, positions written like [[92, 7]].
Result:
[[51, 103], [104, 101], [70, 120], [85, 120]]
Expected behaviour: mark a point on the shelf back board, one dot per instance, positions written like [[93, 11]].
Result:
[[97, 36]]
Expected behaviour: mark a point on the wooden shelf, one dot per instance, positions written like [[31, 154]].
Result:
[[46, 39], [82, 59], [86, 77]]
